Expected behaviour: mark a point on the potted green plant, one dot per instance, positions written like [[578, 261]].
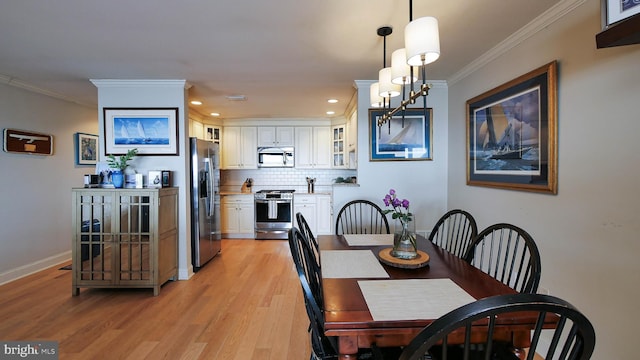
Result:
[[120, 163]]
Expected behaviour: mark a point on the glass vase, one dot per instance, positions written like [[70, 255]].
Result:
[[404, 240]]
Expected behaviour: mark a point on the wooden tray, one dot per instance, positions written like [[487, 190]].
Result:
[[421, 260]]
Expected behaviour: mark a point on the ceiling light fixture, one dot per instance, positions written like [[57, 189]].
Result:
[[374, 96], [215, 114], [196, 102], [236, 97], [422, 47], [387, 88], [332, 101]]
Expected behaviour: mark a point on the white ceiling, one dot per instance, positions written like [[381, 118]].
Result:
[[287, 56]]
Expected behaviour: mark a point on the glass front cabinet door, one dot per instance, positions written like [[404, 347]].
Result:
[[338, 147]]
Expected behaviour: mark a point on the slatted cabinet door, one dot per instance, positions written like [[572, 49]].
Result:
[[119, 241]]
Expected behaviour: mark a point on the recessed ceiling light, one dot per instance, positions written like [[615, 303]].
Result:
[[196, 102], [331, 112], [332, 101], [215, 114]]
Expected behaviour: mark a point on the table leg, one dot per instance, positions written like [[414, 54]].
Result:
[[348, 347]]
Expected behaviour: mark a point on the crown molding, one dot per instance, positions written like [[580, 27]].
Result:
[[11, 81], [538, 24], [139, 82]]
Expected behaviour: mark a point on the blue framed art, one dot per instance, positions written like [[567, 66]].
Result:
[[153, 131], [86, 149], [407, 136]]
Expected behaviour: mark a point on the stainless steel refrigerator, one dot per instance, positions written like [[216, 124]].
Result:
[[205, 202]]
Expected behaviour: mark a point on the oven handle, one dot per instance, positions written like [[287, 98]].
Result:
[[278, 201]]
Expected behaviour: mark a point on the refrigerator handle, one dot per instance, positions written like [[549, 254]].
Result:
[[211, 188]]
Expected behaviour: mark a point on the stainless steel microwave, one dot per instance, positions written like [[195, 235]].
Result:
[[275, 157]]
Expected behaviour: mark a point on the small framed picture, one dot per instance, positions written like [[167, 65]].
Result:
[[166, 178], [86, 149], [155, 179]]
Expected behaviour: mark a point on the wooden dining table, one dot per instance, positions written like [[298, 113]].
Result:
[[347, 314]]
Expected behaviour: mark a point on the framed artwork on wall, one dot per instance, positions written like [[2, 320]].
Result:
[[86, 149], [27, 142], [618, 10], [405, 137], [153, 131], [511, 134]]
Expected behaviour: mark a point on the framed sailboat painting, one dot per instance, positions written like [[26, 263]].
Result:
[[153, 131], [512, 134], [406, 136]]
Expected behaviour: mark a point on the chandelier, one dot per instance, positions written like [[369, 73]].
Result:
[[422, 47]]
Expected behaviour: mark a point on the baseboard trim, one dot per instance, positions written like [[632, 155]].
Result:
[[26, 270]]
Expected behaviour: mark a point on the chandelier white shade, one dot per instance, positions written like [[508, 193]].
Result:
[[400, 70], [374, 95], [422, 41], [387, 88]]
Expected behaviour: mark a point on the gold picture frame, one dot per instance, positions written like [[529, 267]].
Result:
[[512, 134]]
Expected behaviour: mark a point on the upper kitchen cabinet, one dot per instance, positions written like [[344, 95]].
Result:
[[239, 147], [280, 136], [313, 147], [212, 133], [338, 146]]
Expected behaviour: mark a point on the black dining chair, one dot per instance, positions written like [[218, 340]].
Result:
[[361, 217], [454, 231], [322, 347], [304, 257], [571, 335], [303, 226], [509, 254]]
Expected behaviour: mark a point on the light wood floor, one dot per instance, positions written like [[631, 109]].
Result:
[[245, 304]]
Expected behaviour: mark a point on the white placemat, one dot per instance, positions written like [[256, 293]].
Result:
[[351, 264], [412, 299], [369, 239]]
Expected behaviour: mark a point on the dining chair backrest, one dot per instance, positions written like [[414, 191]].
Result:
[[569, 334], [323, 347], [303, 226], [454, 231], [304, 257], [509, 254], [361, 217]]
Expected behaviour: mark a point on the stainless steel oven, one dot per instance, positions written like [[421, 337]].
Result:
[[274, 213]]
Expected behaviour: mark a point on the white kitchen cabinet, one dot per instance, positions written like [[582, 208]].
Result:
[[324, 214], [239, 147], [281, 136], [338, 148], [316, 209], [237, 216], [212, 133], [313, 147]]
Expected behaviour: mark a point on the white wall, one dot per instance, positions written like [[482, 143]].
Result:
[[158, 93], [423, 183], [35, 205], [588, 232]]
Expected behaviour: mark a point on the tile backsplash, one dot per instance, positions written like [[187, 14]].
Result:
[[282, 178]]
